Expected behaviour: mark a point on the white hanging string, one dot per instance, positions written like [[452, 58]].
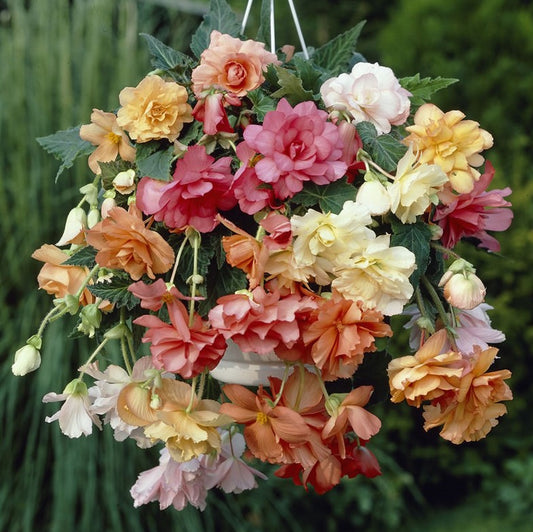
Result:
[[273, 25]]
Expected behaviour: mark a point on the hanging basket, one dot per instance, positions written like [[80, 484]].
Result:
[[248, 369]]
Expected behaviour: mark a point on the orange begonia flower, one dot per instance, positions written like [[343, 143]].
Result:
[[124, 243]]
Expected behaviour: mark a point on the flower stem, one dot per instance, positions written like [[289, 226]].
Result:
[[178, 257], [93, 356], [440, 309], [321, 382], [193, 395], [284, 380]]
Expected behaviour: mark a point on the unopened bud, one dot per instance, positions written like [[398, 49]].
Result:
[[464, 290], [75, 224], [27, 359], [93, 218], [124, 182]]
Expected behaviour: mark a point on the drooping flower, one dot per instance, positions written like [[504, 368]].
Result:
[[449, 141], [339, 334], [59, 279], [27, 359], [378, 276], [461, 286], [426, 375], [471, 412], [296, 145], [179, 347], [231, 65], [123, 242], [153, 296], [111, 141], [200, 188], [210, 111], [372, 93], [75, 225], [154, 109], [257, 321], [475, 213], [75, 416], [414, 187]]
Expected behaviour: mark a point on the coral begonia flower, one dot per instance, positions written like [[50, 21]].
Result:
[[340, 333], [110, 139], [124, 243], [210, 111], [180, 348], [153, 296], [268, 428]]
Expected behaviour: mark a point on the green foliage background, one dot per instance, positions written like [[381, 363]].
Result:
[[60, 59]]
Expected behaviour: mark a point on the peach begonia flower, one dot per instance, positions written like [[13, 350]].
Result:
[[154, 109], [58, 279], [427, 375], [269, 430], [111, 141], [471, 412], [124, 243], [339, 334], [187, 425], [451, 142], [232, 65]]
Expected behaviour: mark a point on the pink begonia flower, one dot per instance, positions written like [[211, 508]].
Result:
[[171, 483], [181, 349], [473, 328], [279, 229], [369, 93], [105, 392], [297, 145], [475, 213], [75, 416], [153, 296], [257, 321], [210, 111], [229, 472], [201, 187]]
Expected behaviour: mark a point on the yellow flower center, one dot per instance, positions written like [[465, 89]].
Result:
[[113, 137], [262, 418]]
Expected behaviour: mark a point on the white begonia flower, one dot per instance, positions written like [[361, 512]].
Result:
[[378, 276], [370, 93], [124, 182], [375, 197], [27, 359], [415, 187], [75, 416], [75, 224]]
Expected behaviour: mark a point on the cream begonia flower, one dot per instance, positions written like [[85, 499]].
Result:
[[415, 187], [378, 276], [322, 239], [451, 142]]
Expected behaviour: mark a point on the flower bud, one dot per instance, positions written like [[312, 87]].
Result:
[[464, 290], [27, 359], [374, 196], [90, 192], [107, 205], [124, 182], [93, 218], [74, 226]]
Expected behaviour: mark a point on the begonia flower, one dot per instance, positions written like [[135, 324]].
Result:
[[154, 109], [111, 141], [296, 145], [210, 111], [370, 93], [452, 143], [475, 213], [200, 188], [123, 242], [232, 65]]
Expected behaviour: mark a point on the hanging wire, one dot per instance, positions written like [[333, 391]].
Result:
[[273, 25]]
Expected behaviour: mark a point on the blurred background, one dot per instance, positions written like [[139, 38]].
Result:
[[61, 58]]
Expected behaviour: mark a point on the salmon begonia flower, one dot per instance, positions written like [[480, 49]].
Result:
[[339, 334], [181, 347], [231, 65], [475, 213], [124, 243], [154, 109], [470, 413], [452, 143], [111, 141], [153, 296], [427, 375], [60, 279], [268, 429]]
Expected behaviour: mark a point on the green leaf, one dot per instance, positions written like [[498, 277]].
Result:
[[415, 237], [422, 89], [261, 103], [156, 164], [291, 87], [166, 58], [83, 257], [220, 17], [311, 76], [335, 55], [385, 150], [110, 171], [116, 292], [329, 198], [67, 146]]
